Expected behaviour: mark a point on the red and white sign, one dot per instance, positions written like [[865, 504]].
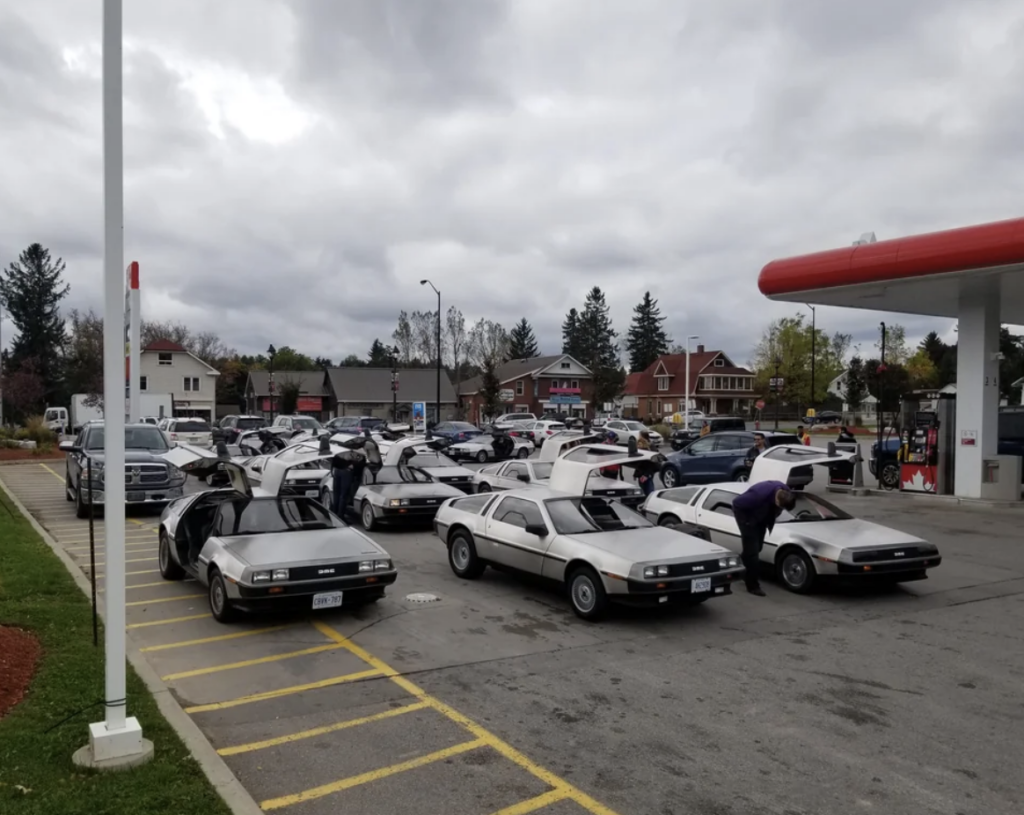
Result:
[[563, 390], [309, 403], [918, 478], [759, 404], [969, 438]]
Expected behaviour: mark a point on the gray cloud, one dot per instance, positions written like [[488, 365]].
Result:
[[293, 169]]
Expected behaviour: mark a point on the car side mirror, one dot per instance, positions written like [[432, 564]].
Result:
[[524, 477], [536, 529], [67, 447]]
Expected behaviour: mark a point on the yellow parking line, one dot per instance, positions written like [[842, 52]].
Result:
[[148, 585], [541, 801], [320, 731], [172, 620], [130, 560], [508, 751], [54, 473], [273, 694], [319, 649], [373, 775], [164, 600], [220, 638], [101, 546]]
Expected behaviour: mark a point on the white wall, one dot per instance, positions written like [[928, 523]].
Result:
[[171, 379]]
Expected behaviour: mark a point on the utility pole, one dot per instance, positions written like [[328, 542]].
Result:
[[394, 384], [686, 407], [814, 349], [879, 412], [778, 390], [271, 352], [437, 405]]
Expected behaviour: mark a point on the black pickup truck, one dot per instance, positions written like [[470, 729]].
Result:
[[149, 480]]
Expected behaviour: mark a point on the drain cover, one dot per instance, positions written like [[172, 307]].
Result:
[[422, 597]]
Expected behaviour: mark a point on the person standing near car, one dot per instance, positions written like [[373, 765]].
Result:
[[756, 450], [756, 511], [803, 435], [645, 472], [341, 482]]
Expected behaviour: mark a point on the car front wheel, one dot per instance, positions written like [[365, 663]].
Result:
[[68, 494], [462, 557], [668, 520], [482, 457], [523, 453], [220, 603], [587, 595], [484, 487], [670, 478], [368, 518], [795, 570], [169, 569]]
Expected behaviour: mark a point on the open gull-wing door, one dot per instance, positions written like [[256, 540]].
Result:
[[555, 447], [778, 463], [401, 451], [278, 467], [571, 474], [203, 463]]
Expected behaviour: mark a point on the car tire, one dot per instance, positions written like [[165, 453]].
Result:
[[795, 570], [670, 478], [741, 476], [669, 520], [169, 569], [523, 453], [68, 495], [81, 510], [483, 487], [586, 594], [890, 476], [367, 517], [482, 457], [220, 604], [462, 556]]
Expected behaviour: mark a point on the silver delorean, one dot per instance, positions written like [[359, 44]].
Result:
[[598, 549], [815, 540], [261, 549]]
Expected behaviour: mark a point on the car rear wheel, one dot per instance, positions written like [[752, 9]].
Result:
[[220, 603], [587, 595], [670, 478], [523, 453], [169, 570], [483, 487], [367, 516], [890, 476], [482, 456], [669, 520], [795, 570], [741, 476], [462, 556]]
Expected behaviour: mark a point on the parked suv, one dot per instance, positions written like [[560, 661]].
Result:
[[721, 457], [190, 431], [355, 424], [234, 426], [509, 419], [298, 423], [148, 478], [716, 424]]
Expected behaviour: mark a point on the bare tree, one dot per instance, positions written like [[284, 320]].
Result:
[[455, 341], [424, 332], [403, 338], [487, 344]]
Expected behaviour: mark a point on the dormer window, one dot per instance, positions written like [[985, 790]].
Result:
[[565, 366], [662, 383], [164, 359], [719, 363]]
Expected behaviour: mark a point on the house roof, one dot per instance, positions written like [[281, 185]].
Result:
[[165, 345], [311, 383], [644, 383], [518, 369], [373, 385]]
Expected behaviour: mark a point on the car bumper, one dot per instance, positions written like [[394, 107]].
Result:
[[163, 495], [399, 514], [905, 570], [671, 589], [300, 595]]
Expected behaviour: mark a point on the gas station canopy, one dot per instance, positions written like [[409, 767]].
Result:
[[921, 274]]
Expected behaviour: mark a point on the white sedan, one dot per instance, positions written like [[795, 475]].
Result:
[[625, 429]]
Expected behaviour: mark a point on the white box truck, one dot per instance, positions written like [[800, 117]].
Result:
[[59, 420]]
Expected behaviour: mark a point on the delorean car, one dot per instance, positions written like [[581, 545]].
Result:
[[496, 447], [815, 540], [259, 548]]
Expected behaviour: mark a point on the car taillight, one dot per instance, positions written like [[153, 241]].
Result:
[[174, 436]]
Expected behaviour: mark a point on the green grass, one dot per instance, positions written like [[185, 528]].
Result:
[[37, 594]]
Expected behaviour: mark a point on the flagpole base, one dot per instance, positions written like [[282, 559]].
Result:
[[114, 749]]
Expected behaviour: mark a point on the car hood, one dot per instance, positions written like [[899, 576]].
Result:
[[601, 484], [448, 472], [655, 543], [137, 456], [415, 490], [300, 547], [850, 534], [306, 475]]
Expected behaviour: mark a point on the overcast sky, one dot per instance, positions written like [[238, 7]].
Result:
[[293, 169]]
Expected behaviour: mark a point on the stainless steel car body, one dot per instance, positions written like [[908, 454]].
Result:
[[317, 560], [481, 448]]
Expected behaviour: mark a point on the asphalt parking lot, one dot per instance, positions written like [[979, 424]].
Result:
[[494, 698]]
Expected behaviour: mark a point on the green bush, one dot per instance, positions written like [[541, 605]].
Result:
[[35, 429], [6, 433], [663, 429]]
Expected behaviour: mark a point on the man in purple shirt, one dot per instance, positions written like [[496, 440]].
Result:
[[756, 511]]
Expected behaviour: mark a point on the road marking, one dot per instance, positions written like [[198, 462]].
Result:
[[54, 473], [508, 751], [164, 599], [220, 638], [320, 731], [148, 585], [101, 546], [172, 620], [319, 649], [273, 694], [373, 775], [131, 560], [546, 799]]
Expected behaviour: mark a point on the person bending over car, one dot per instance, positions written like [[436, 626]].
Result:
[[756, 511]]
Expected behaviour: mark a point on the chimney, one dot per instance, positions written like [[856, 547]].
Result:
[[700, 349]]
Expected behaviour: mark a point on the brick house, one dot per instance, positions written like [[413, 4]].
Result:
[[314, 400], [718, 387], [537, 385]]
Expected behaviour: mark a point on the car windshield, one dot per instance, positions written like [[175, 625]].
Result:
[[634, 426], [250, 424], [371, 423], [146, 437], [191, 427], [306, 423], [260, 516], [428, 458], [812, 508], [542, 469], [577, 516], [463, 426], [399, 474]]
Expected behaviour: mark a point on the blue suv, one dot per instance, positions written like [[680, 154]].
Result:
[[719, 457]]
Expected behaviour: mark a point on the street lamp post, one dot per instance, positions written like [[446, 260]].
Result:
[[271, 352], [814, 348], [778, 364], [437, 407], [880, 411], [394, 384], [686, 406]]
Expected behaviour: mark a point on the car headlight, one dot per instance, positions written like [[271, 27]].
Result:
[[366, 565], [279, 574], [398, 502], [651, 572], [261, 577], [382, 565], [176, 475], [728, 562]]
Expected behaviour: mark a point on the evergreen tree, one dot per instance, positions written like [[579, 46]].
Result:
[[522, 344], [597, 347], [646, 339], [490, 388], [571, 334], [379, 356], [31, 290], [856, 384]]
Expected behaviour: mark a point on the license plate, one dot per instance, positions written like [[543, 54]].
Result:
[[330, 599], [699, 584], [135, 496], [312, 493]]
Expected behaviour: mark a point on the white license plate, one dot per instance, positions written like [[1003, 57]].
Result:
[[135, 497], [699, 584], [312, 493], [330, 599]]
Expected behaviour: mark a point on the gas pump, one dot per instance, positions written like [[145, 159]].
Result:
[[919, 451]]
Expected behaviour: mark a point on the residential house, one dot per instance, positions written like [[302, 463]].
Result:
[[553, 383], [367, 392], [718, 387], [166, 367], [313, 398], [837, 388]]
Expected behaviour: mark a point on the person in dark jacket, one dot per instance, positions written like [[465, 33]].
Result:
[[756, 450], [846, 437], [342, 465], [756, 511]]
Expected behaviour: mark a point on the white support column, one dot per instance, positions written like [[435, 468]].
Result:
[[977, 385]]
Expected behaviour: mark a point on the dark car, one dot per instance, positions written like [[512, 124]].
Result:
[[721, 457], [716, 424], [824, 417], [233, 426], [149, 480], [456, 431], [355, 424]]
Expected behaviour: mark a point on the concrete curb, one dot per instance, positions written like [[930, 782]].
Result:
[[948, 500], [230, 789]]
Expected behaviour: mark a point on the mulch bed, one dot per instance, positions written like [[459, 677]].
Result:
[[19, 654], [23, 454]]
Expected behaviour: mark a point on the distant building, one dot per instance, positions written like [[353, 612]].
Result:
[[166, 367], [718, 387], [537, 385]]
